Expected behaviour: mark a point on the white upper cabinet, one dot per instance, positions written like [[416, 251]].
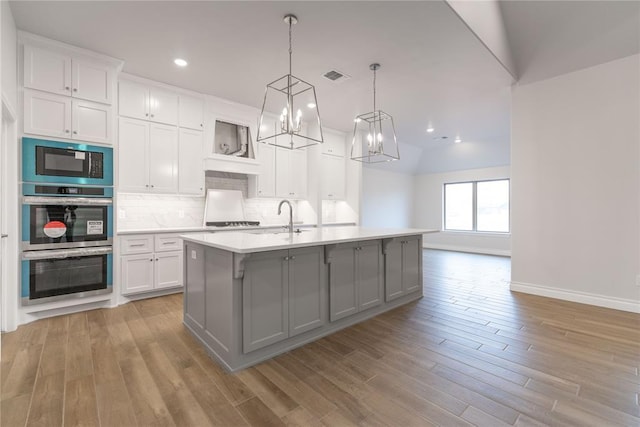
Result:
[[163, 106], [133, 100], [334, 143], [91, 81], [291, 173], [148, 157], [47, 70], [90, 121], [147, 103], [63, 74], [190, 166], [333, 177], [59, 116], [191, 112]]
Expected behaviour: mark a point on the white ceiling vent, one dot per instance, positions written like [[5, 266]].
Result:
[[336, 76]]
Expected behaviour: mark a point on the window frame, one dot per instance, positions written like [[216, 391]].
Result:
[[474, 205]]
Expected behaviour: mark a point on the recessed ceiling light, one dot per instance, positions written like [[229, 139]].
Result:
[[430, 129], [457, 140], [311, 105], [180, 62]]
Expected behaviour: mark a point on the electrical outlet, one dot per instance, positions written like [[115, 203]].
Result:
[[122, 214], [180, 213]]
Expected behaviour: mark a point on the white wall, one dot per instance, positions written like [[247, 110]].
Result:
[[428, 213], [387, 198], [9, 57], [576, 186]]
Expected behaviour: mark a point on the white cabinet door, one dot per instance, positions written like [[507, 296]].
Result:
[[334, 143], [191, 112], [291, 173], [91, 121], [136, 273], [46, 70], [91, 81], [133, 161], [163, 158], [168, 269], [266, 179], [133, 100], [190, 158], [298, 178], [47, 114], [283, 173], [163, 106], [333, 177]]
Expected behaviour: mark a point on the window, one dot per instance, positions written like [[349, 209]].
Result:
[[477, 206]]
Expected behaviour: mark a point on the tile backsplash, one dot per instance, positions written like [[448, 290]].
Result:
[[151, 211]]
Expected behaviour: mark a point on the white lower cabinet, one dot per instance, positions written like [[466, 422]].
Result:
[[283, 294], [403, 266], [355, 277], [150, 262]]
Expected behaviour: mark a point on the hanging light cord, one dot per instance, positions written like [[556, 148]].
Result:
[[290, 50], [374, 90]]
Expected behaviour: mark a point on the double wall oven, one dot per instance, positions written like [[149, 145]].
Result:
[[67, 220]]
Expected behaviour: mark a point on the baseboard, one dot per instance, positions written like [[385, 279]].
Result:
[[470, 249], [575, 296]]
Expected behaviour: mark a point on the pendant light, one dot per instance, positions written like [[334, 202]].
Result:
[[374, 135], [290, 117]]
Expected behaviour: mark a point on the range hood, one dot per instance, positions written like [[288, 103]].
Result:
[[224, 163], [232, 150]]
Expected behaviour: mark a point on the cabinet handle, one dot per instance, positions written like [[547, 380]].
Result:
[[292, 257], [66, 131], [201, 125], [75, 132], [156, 259], [151, 185], [66, 88], [146, 185], [286, 258], [75, 89], [146, 114], [152, 115], [151, 260], [137, 245]]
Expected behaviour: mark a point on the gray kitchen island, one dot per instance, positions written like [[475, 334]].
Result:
[[251, 295]]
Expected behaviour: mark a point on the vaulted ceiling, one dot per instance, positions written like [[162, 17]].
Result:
[[435, 71]]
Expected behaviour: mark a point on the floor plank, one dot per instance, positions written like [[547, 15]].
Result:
[[469, 352]]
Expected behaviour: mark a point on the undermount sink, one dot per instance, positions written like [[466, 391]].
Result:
[[276, 231]]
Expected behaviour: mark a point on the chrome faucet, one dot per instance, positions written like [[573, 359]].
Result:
[[290, 213]]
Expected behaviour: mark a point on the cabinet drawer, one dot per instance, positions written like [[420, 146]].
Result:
[[168, 243], [136, 245]]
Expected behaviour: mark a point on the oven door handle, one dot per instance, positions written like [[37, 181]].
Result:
[[66, 201], [66, 253]]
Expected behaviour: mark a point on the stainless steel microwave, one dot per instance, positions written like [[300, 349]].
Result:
[[45, 161]]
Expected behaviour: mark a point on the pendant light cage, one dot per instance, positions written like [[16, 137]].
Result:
[[374, 134], [290, 117]]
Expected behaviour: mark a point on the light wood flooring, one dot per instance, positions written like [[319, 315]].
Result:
[[469, 352]]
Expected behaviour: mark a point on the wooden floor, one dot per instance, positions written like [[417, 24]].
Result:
[[469, 352]]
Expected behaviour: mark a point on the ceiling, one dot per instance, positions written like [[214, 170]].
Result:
[[435, 71]]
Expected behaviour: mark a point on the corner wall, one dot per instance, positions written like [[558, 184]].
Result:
[[575, 159], [428, 213], [387, 199]]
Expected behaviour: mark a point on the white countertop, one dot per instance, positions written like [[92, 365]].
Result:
[[202, 229], [248, 241]]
